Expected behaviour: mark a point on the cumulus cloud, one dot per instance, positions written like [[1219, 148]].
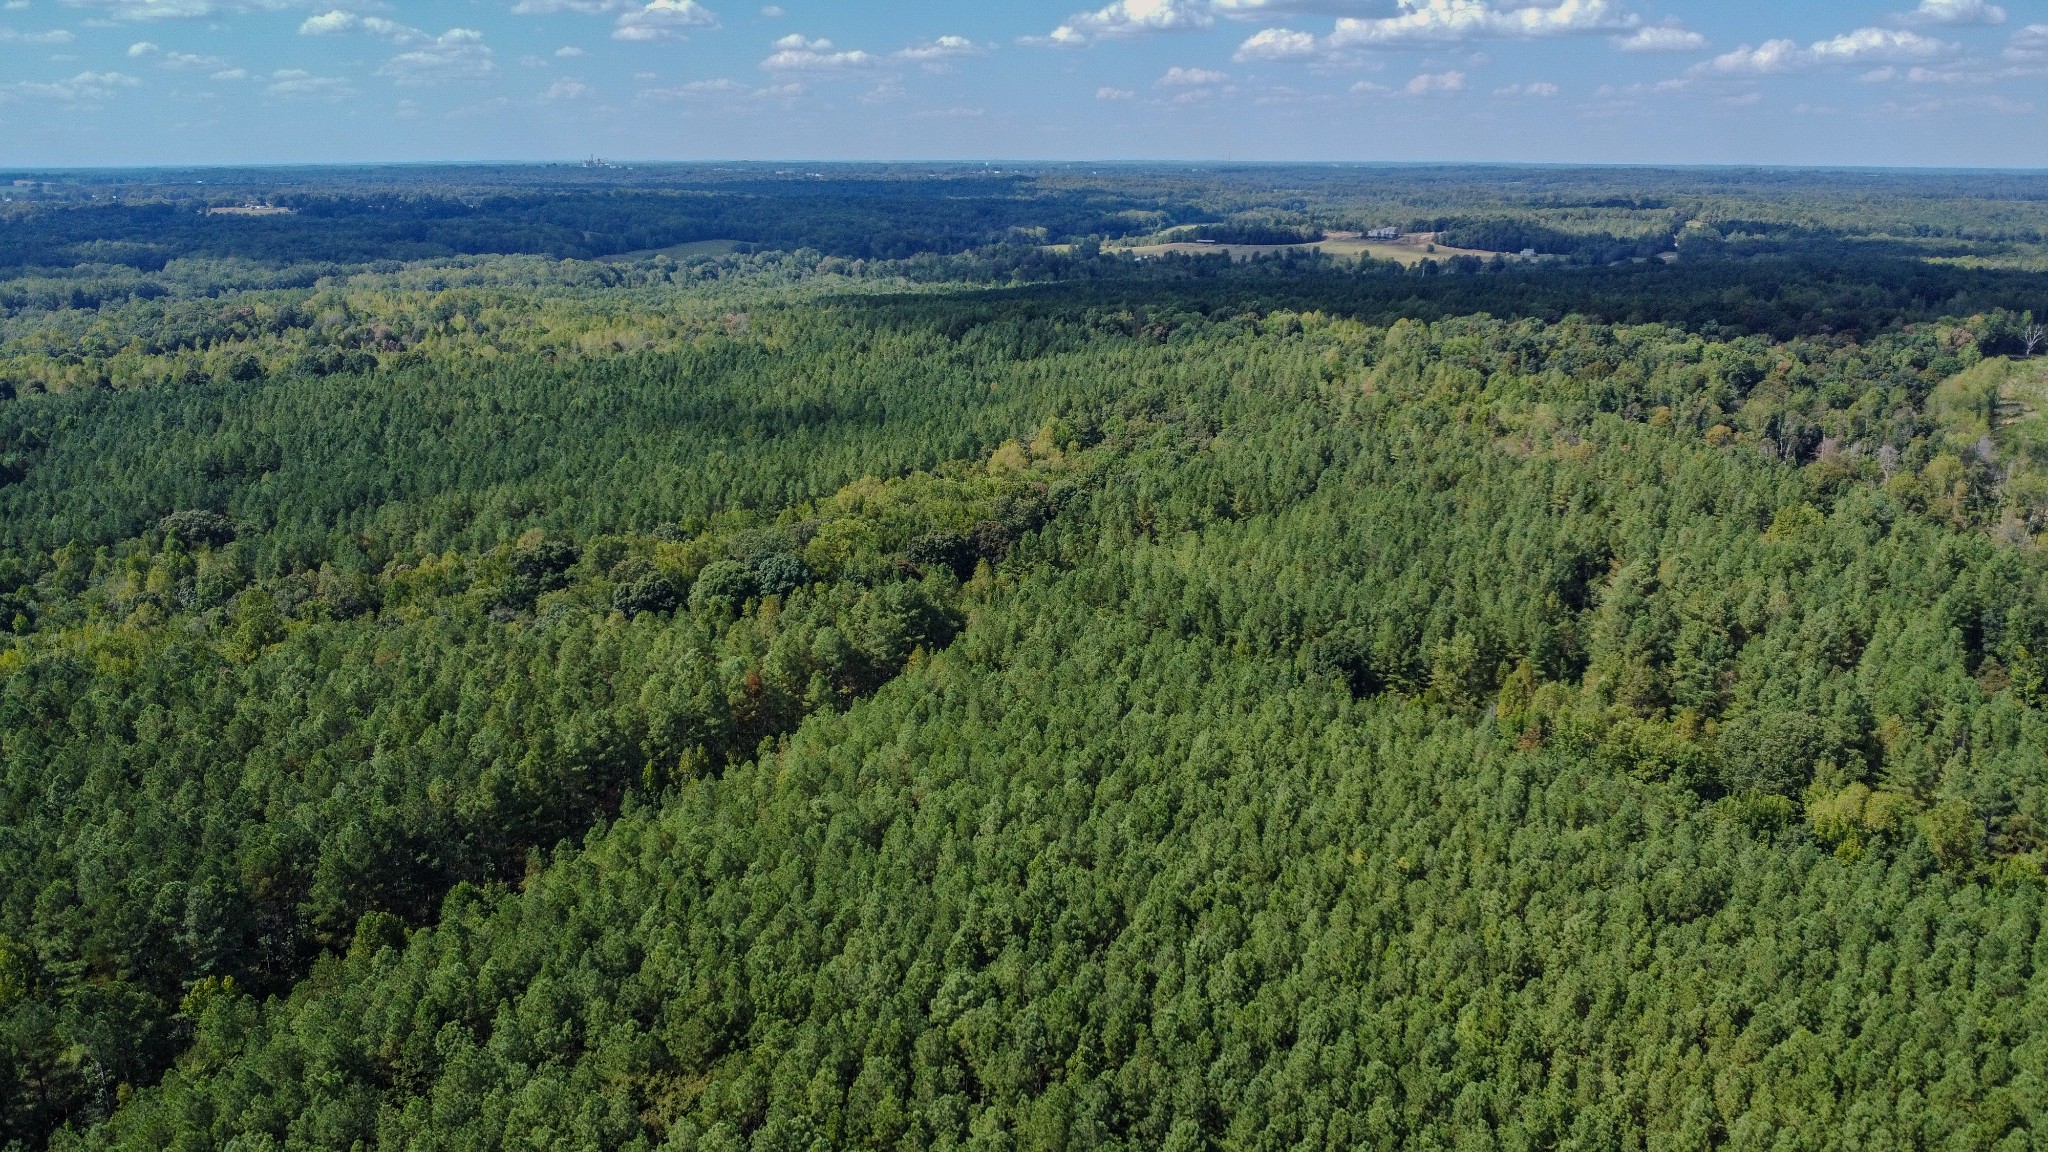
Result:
[[663, 20], [142, 48], [457, 54], [299, 84], [1192, 78], [1131, 18], [794, 53], [54, 36], [1449, 21], [1436, 84], [1107, 93], [585, 7], [84, 88], [723, 89], [1661, 38], [2029, 43], [1254, 9], [189, 60], [329, 23], [145, 10], [943, 49], [339, 22], [1955, 12], [1541, 90], [1277, 44], [569, 52], [1864, 45], [566, 89]]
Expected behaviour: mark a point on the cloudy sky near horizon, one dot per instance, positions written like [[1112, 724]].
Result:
[[1878, 82]]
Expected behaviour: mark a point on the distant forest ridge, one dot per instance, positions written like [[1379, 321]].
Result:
[[145, 218]]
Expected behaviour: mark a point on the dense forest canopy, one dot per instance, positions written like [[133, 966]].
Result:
[[947, 685], [145, 218]]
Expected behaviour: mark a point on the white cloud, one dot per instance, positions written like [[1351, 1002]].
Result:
[[142, 10], [230, 74], [1864, 44], [795, 54], [566, 89], [299, 84], [1254, 9], [1450, 21], [569, 52], [339, 22], [183, 60], [2029, 43], [1541, 90], [1955, 12], [886, 91], [773, 11], [1661, 38], [586, 7], [1177, 77], [1132, 18], [1436, 84], [664, 20], [943, 49], [723, 89], [1277, 44], [457, 54], [1770, 56], [1106, 93], [328, 23], [142, 48], [84, 88], [54, 36]]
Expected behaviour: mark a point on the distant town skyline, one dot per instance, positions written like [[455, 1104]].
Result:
[[1934, 83]]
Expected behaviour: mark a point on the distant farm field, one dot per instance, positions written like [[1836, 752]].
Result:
[[1409, 250]]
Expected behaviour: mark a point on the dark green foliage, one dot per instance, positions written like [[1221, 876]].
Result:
[[1127, 867], [639, 586], [779, 574], [1776, 752], [724, 585], [953, 552], [1134, 714], [196, 527]]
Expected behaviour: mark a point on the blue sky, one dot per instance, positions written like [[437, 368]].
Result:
[[1909, 82]]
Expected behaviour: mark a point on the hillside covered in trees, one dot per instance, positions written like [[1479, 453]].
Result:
[[1004, 695]]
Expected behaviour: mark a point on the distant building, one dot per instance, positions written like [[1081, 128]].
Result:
[[1384, 234], [1528, 253]]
